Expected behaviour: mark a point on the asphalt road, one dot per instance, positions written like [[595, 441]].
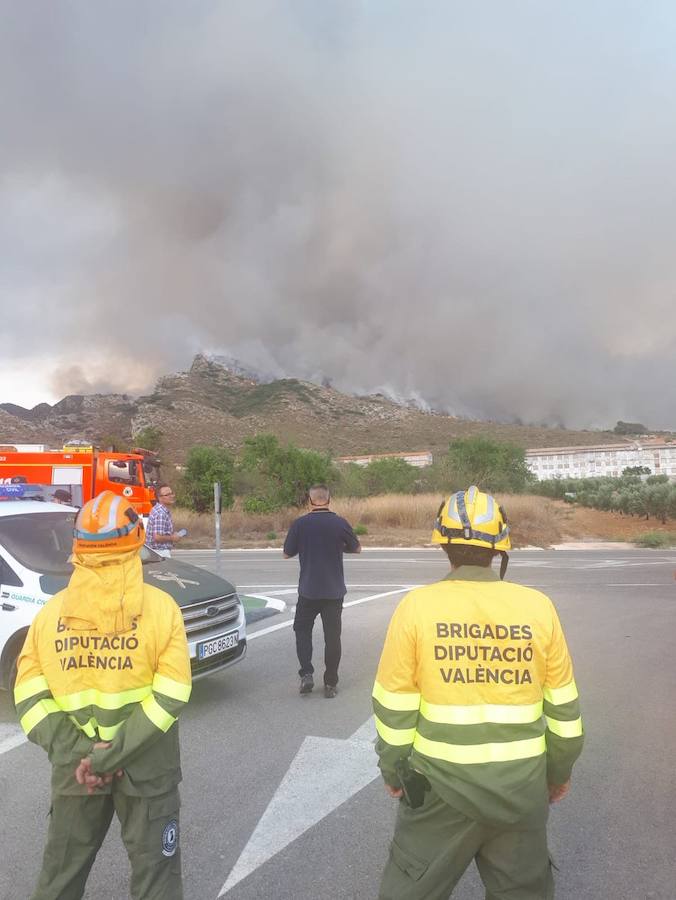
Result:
[[250, 742]]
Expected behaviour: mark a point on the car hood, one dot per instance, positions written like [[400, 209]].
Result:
[[186, 584]]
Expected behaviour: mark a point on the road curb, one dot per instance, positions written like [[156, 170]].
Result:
[[270, 602]]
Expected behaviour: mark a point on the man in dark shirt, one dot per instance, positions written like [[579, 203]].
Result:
[[319, 539]]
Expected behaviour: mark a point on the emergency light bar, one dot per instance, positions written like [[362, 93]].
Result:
[[13, 491], [71, 494]]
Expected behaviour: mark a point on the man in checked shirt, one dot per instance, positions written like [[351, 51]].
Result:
[[160, 534]]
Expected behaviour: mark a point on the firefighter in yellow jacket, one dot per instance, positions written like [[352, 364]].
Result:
[[102, 677], [478, 720]]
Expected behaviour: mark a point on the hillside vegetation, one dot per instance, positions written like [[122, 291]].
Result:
[[210, 404], [653, 496], [405, 520], [391, 502], [396, 519]]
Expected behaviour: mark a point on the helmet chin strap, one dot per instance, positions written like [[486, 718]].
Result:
[[503, 563]]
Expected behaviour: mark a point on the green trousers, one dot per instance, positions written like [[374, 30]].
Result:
[[77, 827], [434, 844]]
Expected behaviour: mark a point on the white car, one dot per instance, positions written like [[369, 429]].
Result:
[[35, 543]]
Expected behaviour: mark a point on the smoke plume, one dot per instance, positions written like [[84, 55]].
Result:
[[473, 204]]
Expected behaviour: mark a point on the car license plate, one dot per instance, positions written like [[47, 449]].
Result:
[[218, 645]]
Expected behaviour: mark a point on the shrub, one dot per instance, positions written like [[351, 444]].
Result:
[[656, 540], [271, 536], [381, 476], [286, 473], [630, 428], [150, 438], [259, 505], [491, 465], [204, 466], [114, 442], [628, 494], [351, 482], [360, 529], [389, 476]]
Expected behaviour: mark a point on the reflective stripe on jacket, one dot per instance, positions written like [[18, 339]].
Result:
[[475, 683], [78, 684]]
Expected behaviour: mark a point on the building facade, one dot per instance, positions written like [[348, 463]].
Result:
[[419, 459], [605, 459]]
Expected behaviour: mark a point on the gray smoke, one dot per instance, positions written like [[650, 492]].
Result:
[[472, 204]]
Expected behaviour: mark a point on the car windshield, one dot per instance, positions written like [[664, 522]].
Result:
[[149, 556], [39, 541], [43, 542]]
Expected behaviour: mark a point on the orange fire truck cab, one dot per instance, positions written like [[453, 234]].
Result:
[[83, 471]]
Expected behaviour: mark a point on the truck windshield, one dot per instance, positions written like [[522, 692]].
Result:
[[42, 542], [125, 471]]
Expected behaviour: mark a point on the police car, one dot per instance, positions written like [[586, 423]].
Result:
[[35, 542]]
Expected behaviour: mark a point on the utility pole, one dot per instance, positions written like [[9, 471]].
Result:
[[217, 522]]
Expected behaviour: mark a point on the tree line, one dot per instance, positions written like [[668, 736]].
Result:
[[267, 475], [629, 494]]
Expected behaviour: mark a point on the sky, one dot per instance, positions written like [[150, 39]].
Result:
[[471, 204]]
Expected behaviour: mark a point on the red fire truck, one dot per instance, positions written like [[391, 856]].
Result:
[[82, 471]]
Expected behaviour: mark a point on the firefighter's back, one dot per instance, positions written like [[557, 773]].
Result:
[[475, 694]]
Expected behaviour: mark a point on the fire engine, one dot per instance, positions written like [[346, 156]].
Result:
[[79, 471]]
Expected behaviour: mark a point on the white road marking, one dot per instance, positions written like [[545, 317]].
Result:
[[567, 564], [177, 554], [289, 622], [269, 601], [292, 588], [350, 558], [385, 559], [289, 590], [539, 586], [257, 586], [250, 636], [309, 791], [11, 736], [228, 550], [378, 596], [224, 550]]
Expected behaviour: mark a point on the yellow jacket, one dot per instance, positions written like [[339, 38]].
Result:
[[475, 683], [107, 659]]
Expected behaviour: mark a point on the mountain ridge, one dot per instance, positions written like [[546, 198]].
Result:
[[212, 403]]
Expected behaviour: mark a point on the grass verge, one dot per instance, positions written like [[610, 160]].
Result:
[[656, 540], [392, 519]]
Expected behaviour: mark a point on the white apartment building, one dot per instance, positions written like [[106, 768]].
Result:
[[419, 459], [606, 459]]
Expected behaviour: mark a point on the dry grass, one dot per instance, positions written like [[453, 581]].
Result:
[[579, 523], [533, 521], [392, 519], [409, 511], [405, 520], [237, 527]]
